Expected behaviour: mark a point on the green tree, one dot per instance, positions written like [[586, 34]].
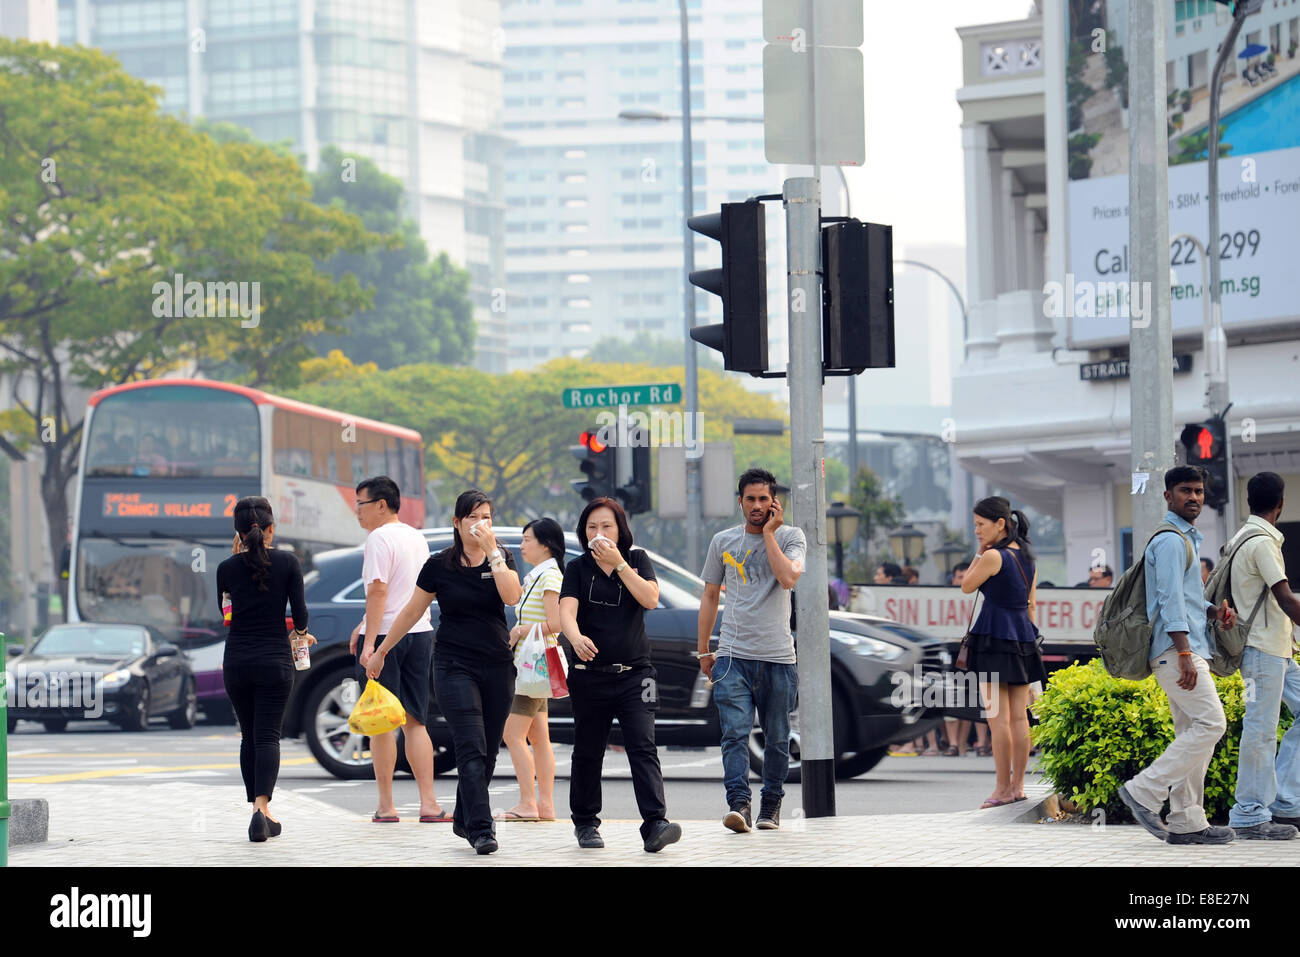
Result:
[[878, 511], [1190, 149], [650, 350], [509, 434], [101, 197], [421, 310]]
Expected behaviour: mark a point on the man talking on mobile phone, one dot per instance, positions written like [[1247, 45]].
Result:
[[754, 666]]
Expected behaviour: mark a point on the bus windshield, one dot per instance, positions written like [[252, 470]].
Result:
[[174, 431], [169, 585]]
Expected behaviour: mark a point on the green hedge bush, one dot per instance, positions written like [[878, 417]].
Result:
[[1096, 732]]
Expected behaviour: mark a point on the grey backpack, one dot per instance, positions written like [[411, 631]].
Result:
[[1230, 643], [1123, 631]]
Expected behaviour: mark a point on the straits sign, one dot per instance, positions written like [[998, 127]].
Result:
[[1064, 615]]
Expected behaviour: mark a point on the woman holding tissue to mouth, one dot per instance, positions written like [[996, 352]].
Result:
[[473, 669], [603, 602]]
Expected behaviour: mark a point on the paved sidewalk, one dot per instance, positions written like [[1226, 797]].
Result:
[[183, 824]]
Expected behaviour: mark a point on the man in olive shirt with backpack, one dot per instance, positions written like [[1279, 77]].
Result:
[[1268, 779]]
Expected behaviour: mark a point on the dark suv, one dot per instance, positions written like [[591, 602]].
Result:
[[867, 655]]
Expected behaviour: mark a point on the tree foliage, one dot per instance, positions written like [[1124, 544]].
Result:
[[421, 310], [510, 436], [101, 197]]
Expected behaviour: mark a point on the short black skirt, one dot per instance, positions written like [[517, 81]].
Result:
[[1006, 661]]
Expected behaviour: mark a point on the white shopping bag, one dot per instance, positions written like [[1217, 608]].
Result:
[[531, 677]]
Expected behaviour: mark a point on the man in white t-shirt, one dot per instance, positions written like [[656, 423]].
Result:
[[394, 554], [1268, 778]]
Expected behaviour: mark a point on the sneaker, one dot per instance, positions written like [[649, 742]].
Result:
[[486, 844], [588, 836], [737, 819], [769, 815], [1211, 835], [662, 833], [1267, 831], [1144, 816]]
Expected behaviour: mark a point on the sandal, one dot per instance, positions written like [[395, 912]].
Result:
[[442, 817], [984, 752], [952, 752], [385, 819]]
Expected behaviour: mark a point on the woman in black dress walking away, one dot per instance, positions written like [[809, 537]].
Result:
[[258, 663], [1003, 644]]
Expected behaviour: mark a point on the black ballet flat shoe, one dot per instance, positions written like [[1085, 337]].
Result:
[[272, 827], [258, 829]]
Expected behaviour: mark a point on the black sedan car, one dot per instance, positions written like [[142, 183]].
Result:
[[870, 660], [84, 672]]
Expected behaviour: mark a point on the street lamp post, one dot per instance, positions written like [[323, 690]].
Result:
[[1216, 344], [946, 557], [841, 526], [907, 543]]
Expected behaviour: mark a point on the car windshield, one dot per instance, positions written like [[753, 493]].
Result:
[[114, 642]]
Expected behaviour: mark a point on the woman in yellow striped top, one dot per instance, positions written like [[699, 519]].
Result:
[[543, 548]]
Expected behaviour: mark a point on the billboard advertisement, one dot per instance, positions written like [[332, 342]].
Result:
[[1259, 171]]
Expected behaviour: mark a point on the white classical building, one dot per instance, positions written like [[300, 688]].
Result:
[[1030, 419]]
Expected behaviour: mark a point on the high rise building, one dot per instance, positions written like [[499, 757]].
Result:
[[594, 202], [414, 85], [30, 20]]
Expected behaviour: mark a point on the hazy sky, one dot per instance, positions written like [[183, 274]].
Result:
[[913, 178]]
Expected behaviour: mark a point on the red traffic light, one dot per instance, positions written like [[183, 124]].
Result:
[[592, 441], [1204, 444]]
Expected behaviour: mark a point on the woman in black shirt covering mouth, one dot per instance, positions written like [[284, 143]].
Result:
[[257, 665], [603, 602], [473, 668]]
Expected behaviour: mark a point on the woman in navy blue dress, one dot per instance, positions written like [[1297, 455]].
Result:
[[1003, 644]]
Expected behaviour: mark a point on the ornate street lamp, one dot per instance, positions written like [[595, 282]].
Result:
[[841, 527], [907, 543]]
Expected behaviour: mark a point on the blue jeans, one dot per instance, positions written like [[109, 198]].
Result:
[[741, 686], [1268, 778]]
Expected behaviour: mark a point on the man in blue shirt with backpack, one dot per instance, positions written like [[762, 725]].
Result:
[[1180, 655]]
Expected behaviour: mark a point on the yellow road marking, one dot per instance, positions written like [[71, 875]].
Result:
[[121, 754], [118, 772]]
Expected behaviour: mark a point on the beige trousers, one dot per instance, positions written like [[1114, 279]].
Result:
[[1179, 773]]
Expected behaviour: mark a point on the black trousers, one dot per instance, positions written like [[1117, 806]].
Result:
[[259, 691], [598, 699], [475, 699]]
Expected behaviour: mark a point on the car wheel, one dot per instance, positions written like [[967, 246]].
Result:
[[185, 716], [339, 750], [851, 765], [137, 719], [55, 725], [840, 731]]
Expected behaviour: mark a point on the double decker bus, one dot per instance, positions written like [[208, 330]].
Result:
[[163, 463]]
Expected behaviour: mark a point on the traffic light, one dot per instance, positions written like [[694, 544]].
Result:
[[742, 284], [633, 471], [1206, 446], [597, 464], [857, 296]]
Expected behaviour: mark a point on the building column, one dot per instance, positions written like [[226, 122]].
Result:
[[83, 22], [194, 30], [1010, 247], [981, 281], [308, 80]]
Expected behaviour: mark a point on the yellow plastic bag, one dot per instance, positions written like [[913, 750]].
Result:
[[376, 711]]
